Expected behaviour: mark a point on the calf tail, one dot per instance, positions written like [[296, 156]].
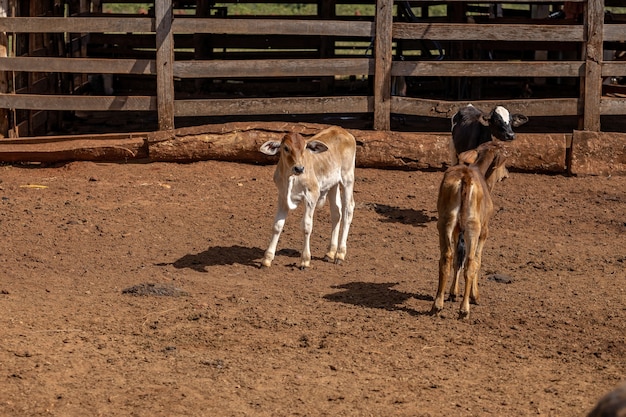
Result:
[[461, 250], [459, 256]]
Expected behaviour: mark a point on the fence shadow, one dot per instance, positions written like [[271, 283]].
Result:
[[218, 255], [376, 295], [405, 216]]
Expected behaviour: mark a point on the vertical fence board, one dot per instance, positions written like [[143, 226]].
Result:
[[383, 56], [593, 65], [164, 63]]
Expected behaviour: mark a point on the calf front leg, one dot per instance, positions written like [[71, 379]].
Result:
[[335, 217], [307, 228], [279, 223], [348, 213]]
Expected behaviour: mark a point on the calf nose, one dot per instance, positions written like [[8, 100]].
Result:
[[510, 136], [298, 169]]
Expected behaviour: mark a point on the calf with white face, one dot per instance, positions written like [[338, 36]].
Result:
[[309, 171], [471, 128]]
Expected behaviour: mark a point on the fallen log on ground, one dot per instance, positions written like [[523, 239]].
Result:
[[582, 153], [240, 142]]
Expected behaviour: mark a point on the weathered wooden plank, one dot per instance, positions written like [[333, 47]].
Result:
[[445, 109], [488, 68], [75, 24], [613, 106], [614, 32], [258, 106], [165, 64], [79, 65], [489, 32], [273, 68], [383, 61], [593, 70], [85, 103], [614, 68], [274, 27]]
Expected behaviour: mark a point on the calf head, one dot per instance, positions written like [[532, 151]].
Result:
[[501, 123], [292, 151], [490, 159]]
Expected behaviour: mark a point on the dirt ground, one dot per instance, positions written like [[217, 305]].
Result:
[[134, 290]]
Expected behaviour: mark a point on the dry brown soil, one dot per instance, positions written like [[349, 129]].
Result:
[[134, 290]]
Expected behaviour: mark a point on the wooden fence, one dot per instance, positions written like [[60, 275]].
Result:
[[164, 63]]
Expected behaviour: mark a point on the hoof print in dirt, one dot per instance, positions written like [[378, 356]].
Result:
[[149, 289]]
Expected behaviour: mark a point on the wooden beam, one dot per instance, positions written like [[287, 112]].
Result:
[[260, 106], [274, 27], [273, 68], [614, 32], [445, 109], [488, 68], [79, 65], [382, 58], [489, 32], [84, 103], [75, 24], [593, 67], [165, 64]]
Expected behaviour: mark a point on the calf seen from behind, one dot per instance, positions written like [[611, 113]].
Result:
[[464, 206], [309, 171]]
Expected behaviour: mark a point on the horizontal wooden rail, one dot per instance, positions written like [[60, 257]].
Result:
[[488, 32], [614, 32], [79, 65], [84, 103], [614, 68], [274, 27], [488, 68], [76, 24], [612, 106], [445, 109], [273, 68], [259, 106]]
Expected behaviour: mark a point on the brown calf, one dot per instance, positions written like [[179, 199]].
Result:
[[308, 171], [465, 206]]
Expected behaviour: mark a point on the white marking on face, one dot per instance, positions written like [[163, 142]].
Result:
[[504, 113]]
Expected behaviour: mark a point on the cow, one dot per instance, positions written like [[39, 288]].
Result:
[[464, 207], [471, 127], [309, 171], [612, 404]]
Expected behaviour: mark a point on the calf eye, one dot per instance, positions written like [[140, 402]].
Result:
[[286, 149]]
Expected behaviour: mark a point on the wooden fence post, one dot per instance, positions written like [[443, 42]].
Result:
[[592, 92], [164, 63], [382, 66]]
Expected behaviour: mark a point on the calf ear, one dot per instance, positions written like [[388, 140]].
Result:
[[468, 157], [270, 147], [518, 119], [316, 146], [485, 121]]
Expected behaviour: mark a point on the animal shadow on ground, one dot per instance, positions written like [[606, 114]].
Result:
[[404, 216], [218, 255], [376, 295]]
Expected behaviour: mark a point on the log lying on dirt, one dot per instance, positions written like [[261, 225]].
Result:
[[593, 153], [598, 153], [376, 149], [109, 147]]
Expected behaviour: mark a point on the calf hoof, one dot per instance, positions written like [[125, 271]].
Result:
[[435, 310], [338, 261], [328, 258], [452, 297], [463, 315], [266, 263]]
